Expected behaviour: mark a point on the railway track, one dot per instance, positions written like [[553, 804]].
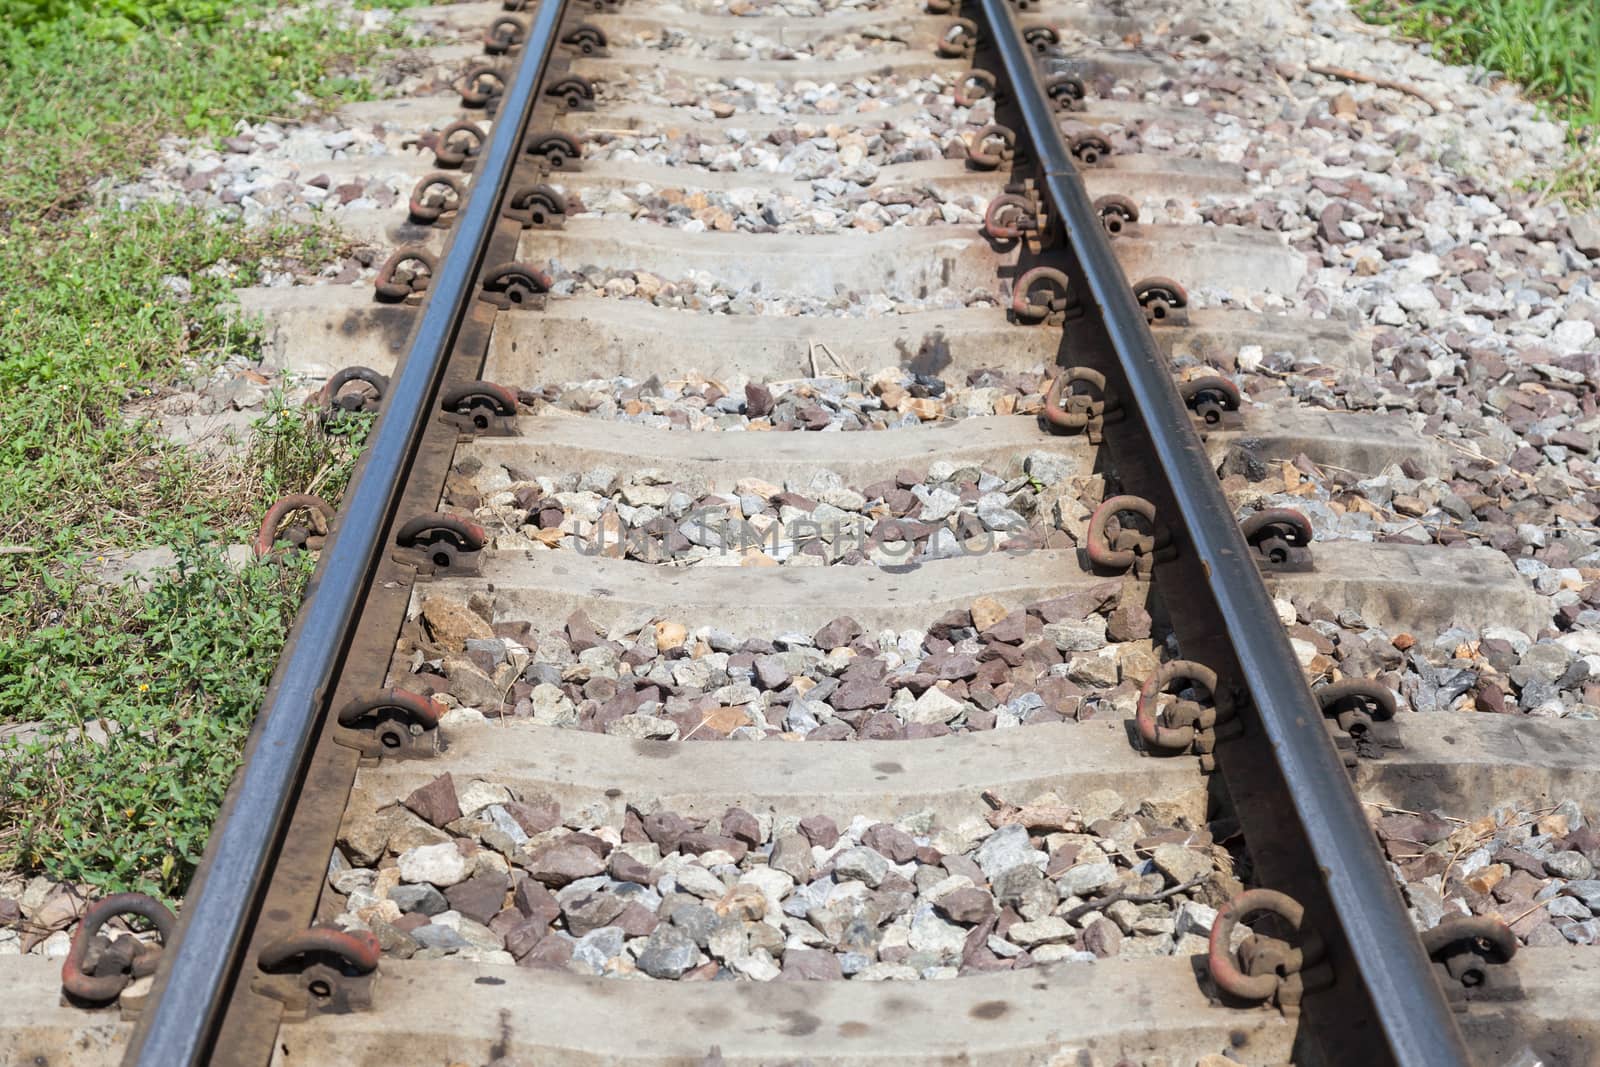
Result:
[[1089, 728]]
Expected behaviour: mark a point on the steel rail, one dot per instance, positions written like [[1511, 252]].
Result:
[[200, 971], [1406, 997]]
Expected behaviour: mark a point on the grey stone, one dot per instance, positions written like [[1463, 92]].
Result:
[[792, 855], [1050, 930], [810, 965], [668, 952], [1006, 848], [597, 947], [424, 899], [861, 864], [591, 911], [1026, 889], [1077, 635], [438, 938], [1585, 889], [1086, 878], [1566, 908], [1569, 865], [931, 934], [1180, 863]]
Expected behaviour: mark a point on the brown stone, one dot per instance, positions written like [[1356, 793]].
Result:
[[436, 802], [810, 965], [636, 920], [697, 841], [1128, 622], [820, 830], [891, 841], [624, 868], [838, 633], [522, 938], [742, 826], [552, 953], [450, 624], [536, 814], [560, 864], [535, 902], [970, 905], [1102, 937], [480, 897], [986, 612]]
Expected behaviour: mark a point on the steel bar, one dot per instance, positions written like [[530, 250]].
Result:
[[202, 968], [1407, 1000]]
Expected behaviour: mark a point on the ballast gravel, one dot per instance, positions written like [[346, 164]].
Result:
[[1074, 657], [472, 871]]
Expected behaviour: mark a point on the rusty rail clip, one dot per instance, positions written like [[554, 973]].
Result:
[[440, 544], [1129, 548], [1057, 306], [319, 970], [586, 39], [1042, 39], [558, 150], [1165, 302], [404, 276], [572, 91], [1066, 92], [992, 147], [973, 86], [1360, 717], [1214, 401], [1013, 217], [393, 723], [456, 145], [1117, 212], [1185, 725], [483, 85], [1280, 539], [537, 207], [959, 40], [1089, 148], [504, 35], [98, 968], [336, 398], [1267, 968], [515, 285], [1469, 953], [1087, 411], [435, 196], [481, 409], [303, 538]]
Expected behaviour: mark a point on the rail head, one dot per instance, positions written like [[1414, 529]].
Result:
[[201, 970], [1410, 1008]]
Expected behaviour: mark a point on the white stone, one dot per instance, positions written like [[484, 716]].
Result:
[[479, 795], [934, 705], [440, 865], [930, 933]]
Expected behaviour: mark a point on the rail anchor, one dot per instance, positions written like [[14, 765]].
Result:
[[1267, 968], [319, 971]]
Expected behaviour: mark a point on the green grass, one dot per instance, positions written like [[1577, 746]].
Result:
[[169, 676], [136, 697], [88, 92], [1550, 47]]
